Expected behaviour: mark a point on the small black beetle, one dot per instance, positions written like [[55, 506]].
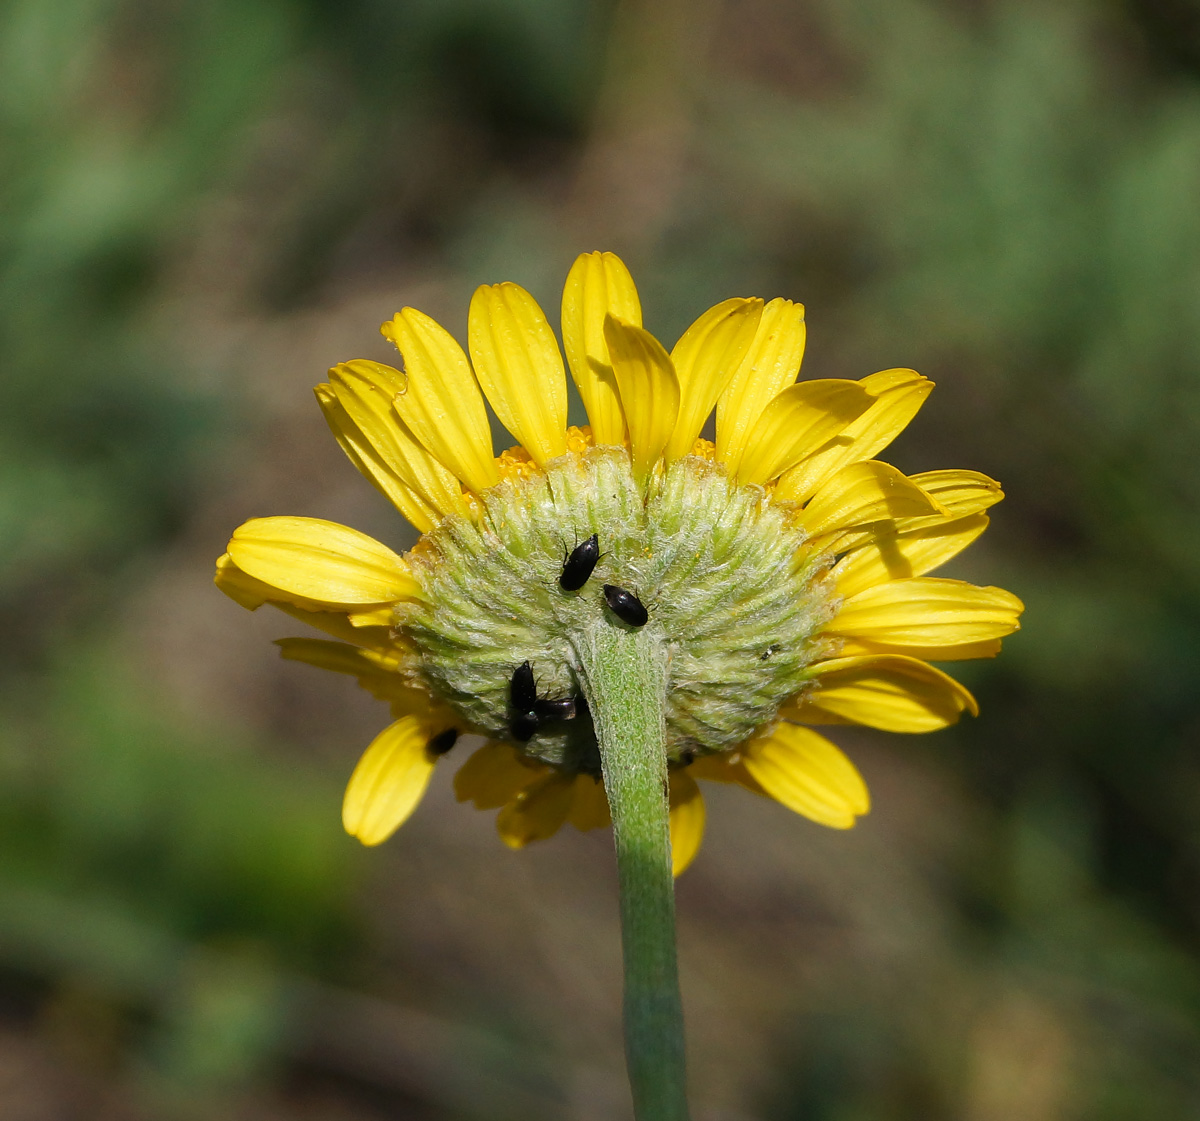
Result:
[[523, 726], [625, 606], [562, 708], [522, 689], [443, 741], [580, 564]]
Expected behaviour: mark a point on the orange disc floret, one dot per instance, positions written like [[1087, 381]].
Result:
[[516, 464], [579, 439]]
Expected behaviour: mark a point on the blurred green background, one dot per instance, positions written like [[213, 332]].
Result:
[[205, 203]]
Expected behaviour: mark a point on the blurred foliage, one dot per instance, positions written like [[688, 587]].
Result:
[[1002, 194]]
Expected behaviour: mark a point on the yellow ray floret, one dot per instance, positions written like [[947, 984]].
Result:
[[442, 404], [806, 773], [249, 593], [341, 657], [494, 775], [961, 492], [374, 670], [368, 458], [366, 392], [538, 811], [344, 627], [589, 805], [517, 361], [649, 390], [958, 493], [771, 364], [797, 422], [941, 652], [729, 767], [706, 357], [925, 613], [598, 285], [686, 820], [886, 691], [861, 493], [899, 395], [333, 620], [321, 561], [891, 555], [390, 780]]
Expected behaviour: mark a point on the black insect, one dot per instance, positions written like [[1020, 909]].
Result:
[[523, 726], [561, 708], [522, 689], [579, 564], [625, 606], [443, 741]]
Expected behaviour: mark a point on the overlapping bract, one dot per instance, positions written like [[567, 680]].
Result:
[[421, 437]]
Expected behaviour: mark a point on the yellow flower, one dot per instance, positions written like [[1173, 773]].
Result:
[[786, 569]]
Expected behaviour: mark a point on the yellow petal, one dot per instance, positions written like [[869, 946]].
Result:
[[927, 612], [805, 772], [728, 767], [598, 285], [537, 812], [252, 594], [338, 657], [961, 492], [321, 561], [442, 405], [687, 820], [366, 457], [589, 805], [771, 364], [367, 391], [896, 556], [376, 673], [899, 395], [796, 422], [954, 652], [865, 492], [372, 617], [494, 775], [706, 357], [390, 780], [242, 589], [887, 691], [337, 624], [649, 390], [516, 359]]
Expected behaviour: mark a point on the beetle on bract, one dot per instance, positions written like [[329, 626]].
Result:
[[580, 564], [625, 606], [523, 726], [522, 689], [559, 708]]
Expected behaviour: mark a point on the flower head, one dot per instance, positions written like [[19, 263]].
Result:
[[785, 569]]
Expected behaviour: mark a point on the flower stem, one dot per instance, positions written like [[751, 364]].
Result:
[[624, 679]]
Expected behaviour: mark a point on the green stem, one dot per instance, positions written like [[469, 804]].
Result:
[[624, 679]]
